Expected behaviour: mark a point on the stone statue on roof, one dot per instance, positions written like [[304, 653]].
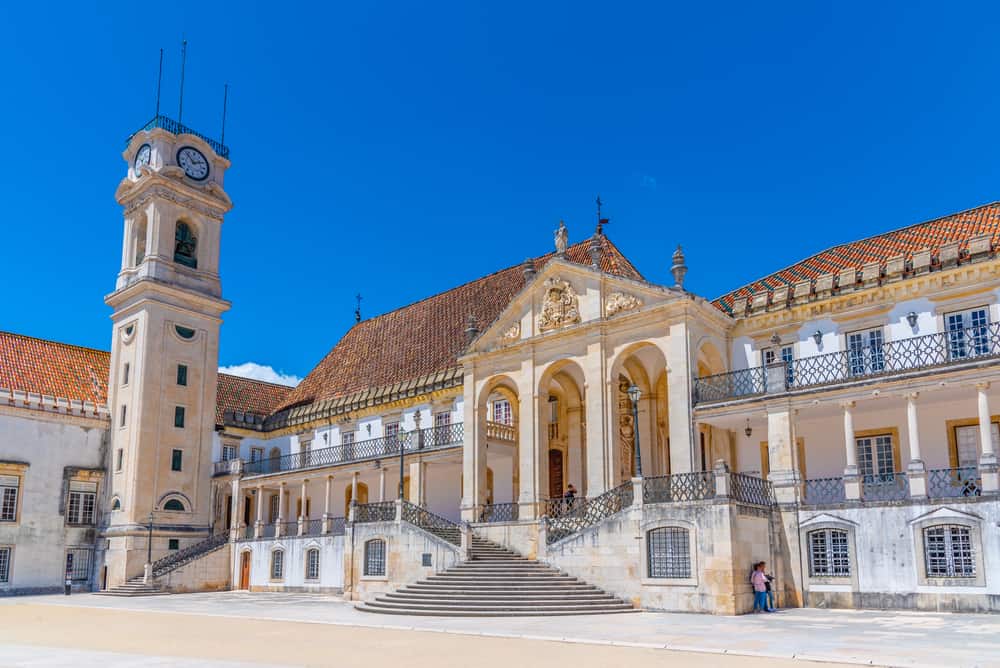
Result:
[[562, 239]]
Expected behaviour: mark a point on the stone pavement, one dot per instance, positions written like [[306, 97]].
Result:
[[865, 637]]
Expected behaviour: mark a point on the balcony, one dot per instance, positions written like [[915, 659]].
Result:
[[951, 483], [932, 351], [172, 126], [500, 431], [424, 440]]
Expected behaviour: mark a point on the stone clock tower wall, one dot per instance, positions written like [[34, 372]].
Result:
[[165, 337]]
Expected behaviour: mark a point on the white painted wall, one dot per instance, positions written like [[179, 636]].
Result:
[[331, 563]]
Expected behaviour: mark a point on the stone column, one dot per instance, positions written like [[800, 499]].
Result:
[[988, 468], [786, 482], [258, 530], [595, 417], [916, 473], [527, 444], [303, 511], [679, 411], [381, 484], [327, 500], [354, 486], [236, 510], [852, 483], [473, 445], [417, 487], [281, 511]]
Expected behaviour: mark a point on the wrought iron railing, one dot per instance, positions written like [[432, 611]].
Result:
[[335, 526], [824, 490], [750, 489], [221, 467], [497, 512], [289, 528], [892, 357], [375, 448], [268, 530], [170, 125], [379, 511], [312, 528], [249, 531], [585, 513], [885, 487], [498, 431], [954, 483], [435, 524], [562, 505], [679, 487], [189, 553]]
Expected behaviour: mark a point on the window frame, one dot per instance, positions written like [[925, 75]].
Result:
[[948, 518], [829, 553], [180, 417], [79, 506], [80, 574], [957, 337], [176, 460], [126, 370], [182, 375], [682, 579], [6, 563], [868, 357], [276, 569], [951, 553], [230, 452], [10, 494], [174, 500], [310, 574]]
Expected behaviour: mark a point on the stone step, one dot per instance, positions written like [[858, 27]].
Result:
[[471, 598], [486, 613], [501, 608]]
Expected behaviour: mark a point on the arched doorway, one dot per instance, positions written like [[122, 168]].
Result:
[[562, 429], [497, 443], [644, 366]]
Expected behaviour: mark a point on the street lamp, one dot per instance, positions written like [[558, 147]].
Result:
[[149, 540], [634, 393]]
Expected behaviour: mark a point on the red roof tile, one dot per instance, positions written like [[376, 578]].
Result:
[[427, 336], [931, 234], [72, 372]]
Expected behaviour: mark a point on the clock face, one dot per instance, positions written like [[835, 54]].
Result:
[[142, 158], [193, 163]]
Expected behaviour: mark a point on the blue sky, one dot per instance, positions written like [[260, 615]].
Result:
[[399, 149]]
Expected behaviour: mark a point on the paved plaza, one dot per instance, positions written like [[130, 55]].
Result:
[[235, 628]]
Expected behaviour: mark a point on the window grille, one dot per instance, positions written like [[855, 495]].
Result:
[[668, 553], [277, 564], [948, 552], [5, 553], [8, 498], [829, 553], [375, 557], [312, 564], [78, 562], [273, 510]]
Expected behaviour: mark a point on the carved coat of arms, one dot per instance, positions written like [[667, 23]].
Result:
[[619, 301], [560, 307]]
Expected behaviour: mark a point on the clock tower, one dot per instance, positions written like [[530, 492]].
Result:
[[167, 307]]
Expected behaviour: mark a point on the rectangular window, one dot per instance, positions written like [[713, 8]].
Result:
[[829, 553], [502, 413], [119, 459], [5, 554], [174, 544], [81, 508], [968, 333], [312, 564], [78, 562], [256, 454], [228, 452], [968, 446], [668, 553], [347, 438], [865, 354], [176, 458], [391, 430], [122, 417], [875, 462], [182, 374], [125, 370], [179, 416], [273, 509], [277, 564], [442, 428], [9, 486], [948, 552], [375, 557], [783, 354]]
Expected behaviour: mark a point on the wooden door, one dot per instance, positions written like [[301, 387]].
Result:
[[555, 474], [245, 571]]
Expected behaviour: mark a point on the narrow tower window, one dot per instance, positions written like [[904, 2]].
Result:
[[182, 374], [185, 246], [179, 416], [176, 460]]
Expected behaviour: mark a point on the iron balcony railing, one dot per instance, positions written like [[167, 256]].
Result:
[[221, 467], [289, 528], [953, 483], [170, 125], [268, 530], [679, 487], [750, 489], [432, 438], [312, 528], [885, 487], [583, 513], [918, 352], [818, 491], [336, 525], [380, 511], [497, 512], [439, 526]]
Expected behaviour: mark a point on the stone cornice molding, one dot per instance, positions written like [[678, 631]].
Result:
[[211, 201], [14, 402]]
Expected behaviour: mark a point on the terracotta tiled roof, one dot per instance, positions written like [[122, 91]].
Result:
[[931, 234], [428, 336], [55, 369], [72, 372], [235, 393]]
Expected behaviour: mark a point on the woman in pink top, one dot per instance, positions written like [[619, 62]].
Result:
[[759, 581]]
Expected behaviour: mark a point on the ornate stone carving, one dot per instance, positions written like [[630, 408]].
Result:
[[512, 333], [561, 239], [619, 301], [160, 192], [560, 306], [626, 432]]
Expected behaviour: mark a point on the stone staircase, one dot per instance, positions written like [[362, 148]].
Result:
[[497, 582], [136, 587]]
